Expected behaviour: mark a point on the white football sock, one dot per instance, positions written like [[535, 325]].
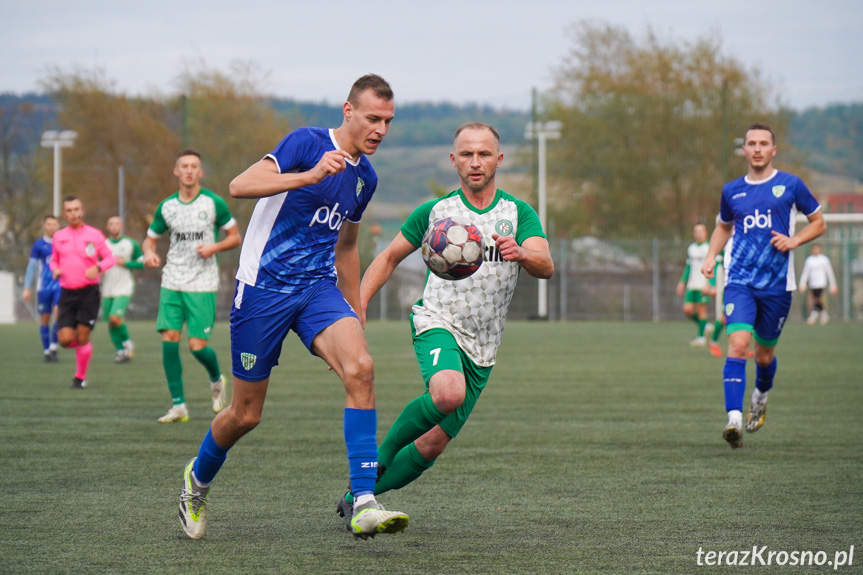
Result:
[[363, 499], [735, 416]]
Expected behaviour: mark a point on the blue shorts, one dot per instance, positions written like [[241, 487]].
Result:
[[47, 300], [260, 320], [756, 311]]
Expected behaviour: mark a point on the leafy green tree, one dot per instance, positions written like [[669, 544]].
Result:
[[649, 129]]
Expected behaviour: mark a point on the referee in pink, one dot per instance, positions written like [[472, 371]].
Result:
[[80, 254]]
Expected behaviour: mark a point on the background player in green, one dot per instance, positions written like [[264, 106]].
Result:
[[694, 287], [457, 325], [118, 285], [190, 278]]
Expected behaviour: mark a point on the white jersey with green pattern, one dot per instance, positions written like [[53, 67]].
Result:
[[191, 225], [473, 309], [695, 255], [117, 280]]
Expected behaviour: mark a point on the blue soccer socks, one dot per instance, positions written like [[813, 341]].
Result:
[[734, 380], [361, 441], [211, 456], [764, 376]]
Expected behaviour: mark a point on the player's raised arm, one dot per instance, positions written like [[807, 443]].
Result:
[[262, 179]]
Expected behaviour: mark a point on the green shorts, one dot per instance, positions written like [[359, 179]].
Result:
[[196, 309], [115, 306], [436, 351], [695, 296]]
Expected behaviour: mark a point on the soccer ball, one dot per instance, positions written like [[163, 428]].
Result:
[[452, 248]]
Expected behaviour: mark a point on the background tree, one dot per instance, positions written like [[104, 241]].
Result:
[[649, 131], [113, 131], [219, 114], [21, 206], [225, 117]]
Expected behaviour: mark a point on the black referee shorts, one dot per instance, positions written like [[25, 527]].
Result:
[[78, 307]]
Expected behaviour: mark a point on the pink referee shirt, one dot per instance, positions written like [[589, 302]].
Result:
[[75, 250]]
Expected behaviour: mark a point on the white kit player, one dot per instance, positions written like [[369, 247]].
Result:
[[761, 208], [693, 286], [118, 285], [457, 325], [192, 217], [818, 275]]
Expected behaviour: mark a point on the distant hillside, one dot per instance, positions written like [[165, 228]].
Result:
[[414, 157], [831, 139], [419, 124], [22, 121], [411, 174], [414, 160]]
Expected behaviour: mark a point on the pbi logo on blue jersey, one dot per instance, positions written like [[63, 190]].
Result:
[[329, 217], [758, 220]]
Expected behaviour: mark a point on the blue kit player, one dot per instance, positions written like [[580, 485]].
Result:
[[47, 288], [300, 270], [761, 208]]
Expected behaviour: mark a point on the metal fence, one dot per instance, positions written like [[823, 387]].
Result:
[[625, 280], [631, 280]]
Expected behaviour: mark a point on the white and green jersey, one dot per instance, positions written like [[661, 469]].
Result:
[[473, 309], [191, 225], [117, 280], [692, 276]]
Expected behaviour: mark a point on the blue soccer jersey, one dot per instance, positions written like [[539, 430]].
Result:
[[41, 252], [291, 237], [758, 209]]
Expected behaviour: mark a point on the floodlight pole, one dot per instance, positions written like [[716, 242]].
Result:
[[58, 139], [542, 131]]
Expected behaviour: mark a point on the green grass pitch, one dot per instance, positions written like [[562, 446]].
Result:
[[596, 448]]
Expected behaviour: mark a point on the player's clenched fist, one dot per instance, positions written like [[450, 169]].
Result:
[[330, 164], [509, 250]]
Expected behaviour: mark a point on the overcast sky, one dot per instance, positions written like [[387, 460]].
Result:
[[489, 52]]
